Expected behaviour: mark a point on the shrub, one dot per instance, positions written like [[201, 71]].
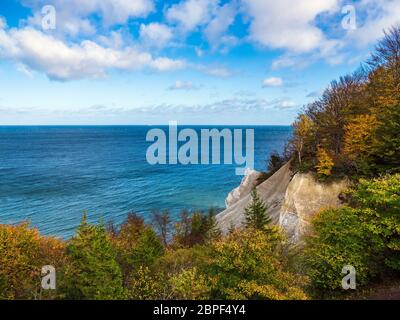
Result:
[[23, 253], [365, 236], [189, 284], [382, 196], [248, 265], [341, 238]]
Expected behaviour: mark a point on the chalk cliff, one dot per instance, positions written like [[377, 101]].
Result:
[[292, 200]]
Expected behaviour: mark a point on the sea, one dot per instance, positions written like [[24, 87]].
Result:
[[50, 175]]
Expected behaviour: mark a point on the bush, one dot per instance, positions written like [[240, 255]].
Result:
[[341, 238], [365, 235], [23, 253], [382, 197], [248, 264]]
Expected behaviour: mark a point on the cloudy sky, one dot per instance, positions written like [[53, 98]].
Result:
[[191, 61]]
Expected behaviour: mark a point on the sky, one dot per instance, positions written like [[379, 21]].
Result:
[[120, 62]]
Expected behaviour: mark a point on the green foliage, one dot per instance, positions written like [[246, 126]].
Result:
[[198, 228], [147, 249], [382, 197], [92, 271], [248, 265], [274, 163], [341, 238], [190, 284], [256, 213], [365, 236]]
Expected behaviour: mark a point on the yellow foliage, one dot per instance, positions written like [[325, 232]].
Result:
[[189, 285], [23, 253], [144, 285], [248, 265], [358, 138], [325, 163], [303, 129]]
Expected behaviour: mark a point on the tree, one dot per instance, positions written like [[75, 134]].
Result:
[[144, 284], [341, 238], [147, 249], [325, 163], [196, 229], [92, 271], [256, 213], [125, 238], [303, 132], [162, 224], [365, 235], [189, 284], [359, 140], [248, 264], [23, 253], [380, 197]]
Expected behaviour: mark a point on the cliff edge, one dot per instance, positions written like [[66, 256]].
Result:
[[292, 201]]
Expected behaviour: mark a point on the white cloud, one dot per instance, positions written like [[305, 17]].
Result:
[[273, 82], [3, 23], [182, 85], [61, 61], [379, 15], [220, 72], [286, 24], [24, 70], [286, 104], [155, 34], [223, 19], [166, 64], [72, 14], [189, 14]]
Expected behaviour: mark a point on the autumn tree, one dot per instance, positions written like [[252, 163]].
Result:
[[303, 134], [195, 228], [248, 264], [23, 253], [359, 140], [325, 163], [162, 224]]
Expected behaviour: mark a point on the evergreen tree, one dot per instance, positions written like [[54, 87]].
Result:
[[92, 271], [256, 213], [147, 250]]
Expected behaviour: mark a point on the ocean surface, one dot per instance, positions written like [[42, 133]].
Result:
[[50, 175]]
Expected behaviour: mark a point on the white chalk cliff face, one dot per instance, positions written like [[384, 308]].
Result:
[[246, 186], [292, 200]]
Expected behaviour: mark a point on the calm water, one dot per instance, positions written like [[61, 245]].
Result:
[[49, 175]]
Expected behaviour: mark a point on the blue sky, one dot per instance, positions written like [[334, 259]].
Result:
[[191, 61]]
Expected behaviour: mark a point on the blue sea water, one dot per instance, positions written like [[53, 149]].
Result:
[[49, 175]]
